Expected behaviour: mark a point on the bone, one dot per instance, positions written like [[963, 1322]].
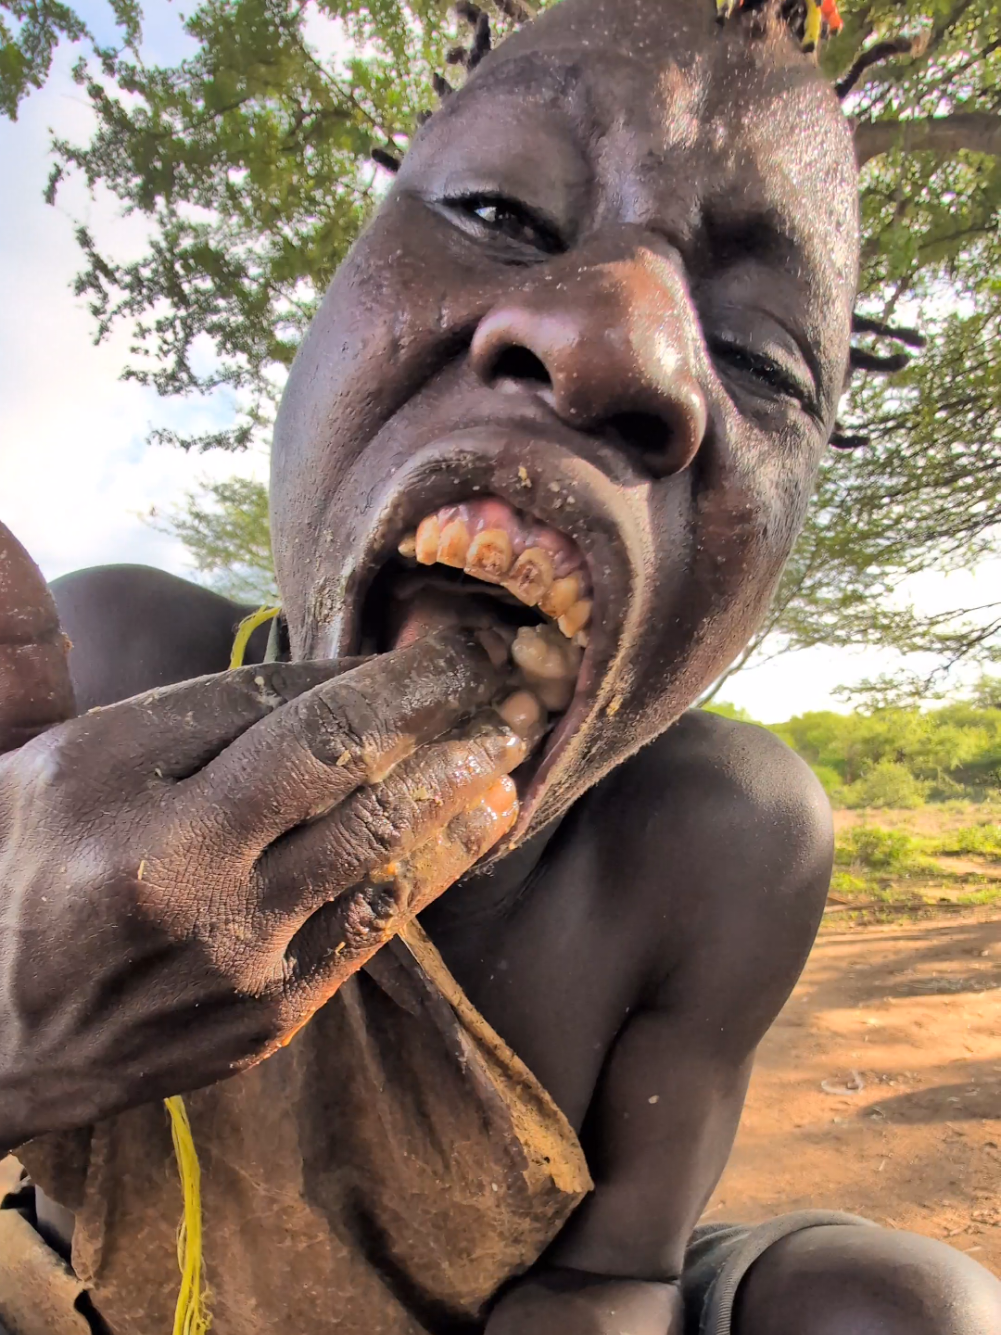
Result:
[[426, 540], [531, 576], [577, 619], [453, 544], [490, 555], [555, 695], [561, 596], [538, 652], [523, 713]]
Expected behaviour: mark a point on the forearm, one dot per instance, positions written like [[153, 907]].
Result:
[[568, 1302]]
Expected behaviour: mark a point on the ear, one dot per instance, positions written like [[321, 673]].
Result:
[[35, 688]]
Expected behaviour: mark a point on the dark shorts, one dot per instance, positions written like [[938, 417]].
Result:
[[720, 1255]]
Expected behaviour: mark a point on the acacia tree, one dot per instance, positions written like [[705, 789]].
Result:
[[256, 162]]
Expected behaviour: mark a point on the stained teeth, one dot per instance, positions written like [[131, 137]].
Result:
[[453, 544], [576, 619], [561, 596], [426, 540], [490, 555], [523, 713], [531, 577]]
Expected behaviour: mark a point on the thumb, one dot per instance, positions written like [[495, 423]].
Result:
[[35, 687]]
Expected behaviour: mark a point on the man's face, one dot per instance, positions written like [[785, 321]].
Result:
[[612, 288]]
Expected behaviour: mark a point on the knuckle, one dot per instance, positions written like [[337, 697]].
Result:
[[56, 760], [319, 727], [369, 912], [375, 821]]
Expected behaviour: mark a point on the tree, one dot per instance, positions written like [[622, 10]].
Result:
[[253, 162], [225, 529]]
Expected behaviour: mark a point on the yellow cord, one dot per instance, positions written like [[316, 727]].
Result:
[[246, 628], [191, 1315], [814, 25]]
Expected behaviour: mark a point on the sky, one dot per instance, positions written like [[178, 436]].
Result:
[[76, 474]]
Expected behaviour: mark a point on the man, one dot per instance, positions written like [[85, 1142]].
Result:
[[540, 461]]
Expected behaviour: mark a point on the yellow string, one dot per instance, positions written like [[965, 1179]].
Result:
[[191, 1314], [814, 25], [246, 628]]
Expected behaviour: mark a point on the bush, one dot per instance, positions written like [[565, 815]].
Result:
[[870, 849], [903, 757], [832, 782], [887, 784], [982, 841]]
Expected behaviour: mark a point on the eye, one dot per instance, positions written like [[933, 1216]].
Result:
[[507, 218], [766, 370]]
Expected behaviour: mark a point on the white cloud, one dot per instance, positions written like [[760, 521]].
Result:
[[75, 472]]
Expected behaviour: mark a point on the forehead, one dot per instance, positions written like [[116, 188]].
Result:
[[678, 123]]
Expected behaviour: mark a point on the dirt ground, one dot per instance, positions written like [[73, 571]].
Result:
[[911, 1012]]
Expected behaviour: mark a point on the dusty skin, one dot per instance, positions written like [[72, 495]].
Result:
[[611, 289]]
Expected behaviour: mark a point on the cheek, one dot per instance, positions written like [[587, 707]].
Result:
[[751, 513], [385, 325]]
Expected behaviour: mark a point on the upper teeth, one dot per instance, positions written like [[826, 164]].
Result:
[[488, 554]]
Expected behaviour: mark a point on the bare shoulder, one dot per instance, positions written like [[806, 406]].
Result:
[[728, 840], [133, 628], [725, 790]]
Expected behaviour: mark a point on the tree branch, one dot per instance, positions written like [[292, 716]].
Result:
[[978, 131], [874, 55]]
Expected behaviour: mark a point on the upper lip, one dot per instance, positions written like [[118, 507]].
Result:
[[573, 483]]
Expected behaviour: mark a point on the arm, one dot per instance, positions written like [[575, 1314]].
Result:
[[748, 846]]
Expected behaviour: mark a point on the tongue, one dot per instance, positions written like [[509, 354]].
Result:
[[431, 609]]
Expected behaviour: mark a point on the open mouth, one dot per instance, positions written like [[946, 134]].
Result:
[[523, 586]]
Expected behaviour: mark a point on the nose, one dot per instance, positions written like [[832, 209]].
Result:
[[608, 346]]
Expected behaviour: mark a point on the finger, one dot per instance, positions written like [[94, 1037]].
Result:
[[175, 730], [35, 688], [384, 821], [341, 936], [306, 758]]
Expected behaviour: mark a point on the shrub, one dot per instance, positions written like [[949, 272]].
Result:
[[977, 840], [870, 848], [887, 784]]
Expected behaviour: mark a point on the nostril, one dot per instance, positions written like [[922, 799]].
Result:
[[516, 363], [646, 435]]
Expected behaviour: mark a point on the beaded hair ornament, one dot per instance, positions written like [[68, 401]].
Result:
[[810, 20]]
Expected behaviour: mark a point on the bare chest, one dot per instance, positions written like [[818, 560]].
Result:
[[557, 976]]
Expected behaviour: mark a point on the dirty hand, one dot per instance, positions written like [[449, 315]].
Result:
[[187, 876]]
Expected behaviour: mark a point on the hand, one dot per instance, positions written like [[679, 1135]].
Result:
[[187, 876]]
